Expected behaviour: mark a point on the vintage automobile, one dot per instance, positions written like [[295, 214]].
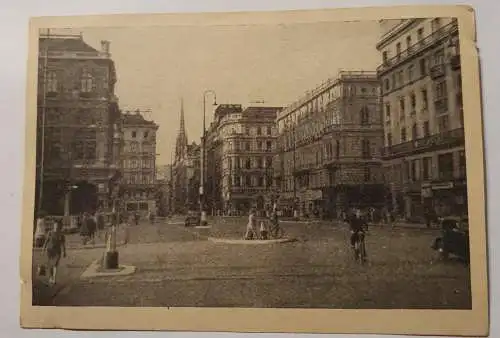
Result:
[[454, 238], [192, 219]]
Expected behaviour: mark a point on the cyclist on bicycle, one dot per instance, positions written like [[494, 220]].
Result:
[[356, 223]]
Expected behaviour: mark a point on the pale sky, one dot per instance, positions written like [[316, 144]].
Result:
[[156, 66]]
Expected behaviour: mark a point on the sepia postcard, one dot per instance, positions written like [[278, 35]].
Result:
[[314, 171]]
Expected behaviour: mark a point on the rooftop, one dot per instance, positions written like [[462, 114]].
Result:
[[135, 118], [73, 43]]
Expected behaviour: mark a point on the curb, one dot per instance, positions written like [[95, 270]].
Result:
[[92, 271], [251, 242]]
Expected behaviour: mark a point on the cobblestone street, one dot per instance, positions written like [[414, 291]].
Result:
[[176, 267]]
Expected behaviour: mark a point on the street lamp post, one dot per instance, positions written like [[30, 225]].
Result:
[[42, 140], [203, 213], [295, 211]]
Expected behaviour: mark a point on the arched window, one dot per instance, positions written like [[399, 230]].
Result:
[[87, 82]]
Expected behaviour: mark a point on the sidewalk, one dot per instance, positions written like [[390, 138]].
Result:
[[74, 241]]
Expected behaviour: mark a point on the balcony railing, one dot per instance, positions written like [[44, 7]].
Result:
[[420, 45], [441, 105], [437, 71], [451, 137]]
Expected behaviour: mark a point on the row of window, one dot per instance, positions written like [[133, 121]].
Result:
[[135, 147], [440, 100], [259, 131], [363, 148], [87, 83], [321, 102], [139, 179], [436, 24], [402, 77], [315, 127], [138, 163], [416, 132], [318, 180], [252, 181], [424, 169], [266, 146], [136, 134], [251, 162]]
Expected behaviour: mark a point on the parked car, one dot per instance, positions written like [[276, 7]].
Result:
[[192, 219], [454, 238]]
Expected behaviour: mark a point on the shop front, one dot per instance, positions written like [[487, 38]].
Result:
[[447, 198]]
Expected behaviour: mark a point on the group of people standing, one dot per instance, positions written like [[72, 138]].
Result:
[[264, 230]]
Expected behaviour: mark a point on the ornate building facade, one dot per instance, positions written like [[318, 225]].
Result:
[[329, 145], [138, 162], [240, 147], [423, 117], [185, 172], [77, 126]]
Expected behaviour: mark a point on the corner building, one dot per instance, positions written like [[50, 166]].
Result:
[[241, 144], [329, 148], [423, 116], [78, 142], [138, 163]]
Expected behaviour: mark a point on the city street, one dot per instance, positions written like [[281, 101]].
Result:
[[177, 266]]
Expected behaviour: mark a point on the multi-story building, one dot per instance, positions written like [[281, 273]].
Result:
[[240, 147], [423, 117], [165, 193], [138, 161], [77, 126], [329, 148], [185, 172]]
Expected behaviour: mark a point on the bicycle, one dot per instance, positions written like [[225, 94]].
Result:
[[276, 232]]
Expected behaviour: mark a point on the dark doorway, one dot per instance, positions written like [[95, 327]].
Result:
[[83, 198]]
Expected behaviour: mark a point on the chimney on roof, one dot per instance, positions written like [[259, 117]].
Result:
[[105, 46]]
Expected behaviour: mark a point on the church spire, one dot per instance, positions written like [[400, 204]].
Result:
[[181, 142]]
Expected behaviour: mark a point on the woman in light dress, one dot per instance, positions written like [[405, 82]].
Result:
[[250, 233]]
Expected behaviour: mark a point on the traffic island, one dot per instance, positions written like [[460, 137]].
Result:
[[251, 241], [98, 269], [203, 226]]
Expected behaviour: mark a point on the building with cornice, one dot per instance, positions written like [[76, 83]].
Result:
[[329, 144], [423, 117], [241, 144], [78, 145], [138, 163], [185, 172]]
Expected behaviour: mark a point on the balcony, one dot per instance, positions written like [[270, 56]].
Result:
[[437, 71], [420, 45], [441, 105], [455, 62], [432, 142]]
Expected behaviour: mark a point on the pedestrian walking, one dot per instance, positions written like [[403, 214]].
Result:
[[263, 231], [54, 247], [40, 231], [250, 233]]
